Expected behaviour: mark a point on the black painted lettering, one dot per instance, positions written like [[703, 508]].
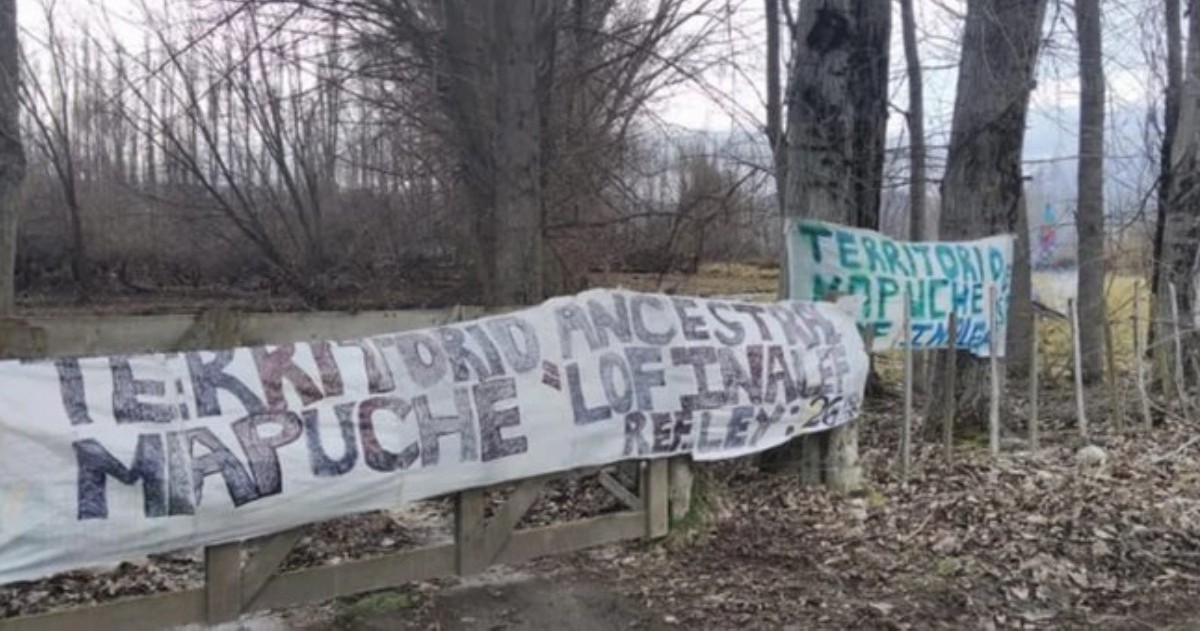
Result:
[[433, 427], [95, 465], [318, 456], [218, 460], [262, 451], [491, 420], [128, 407], [374, 454], [209, 377]]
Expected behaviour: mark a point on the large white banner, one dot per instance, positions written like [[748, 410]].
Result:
[[939, 278], [108, 458]]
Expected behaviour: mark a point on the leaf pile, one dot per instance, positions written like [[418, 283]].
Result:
[[1027, 541]]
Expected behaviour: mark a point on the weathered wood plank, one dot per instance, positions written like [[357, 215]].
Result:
[[655, 493], [223, 582], [157, 611], [54, 336], [262, 565], [469, 532], [618, 490], [500, 527], [323, 583]]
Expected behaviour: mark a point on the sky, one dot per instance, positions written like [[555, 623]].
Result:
[[729, 96]]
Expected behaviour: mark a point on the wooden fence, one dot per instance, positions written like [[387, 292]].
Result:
[[244, 577]]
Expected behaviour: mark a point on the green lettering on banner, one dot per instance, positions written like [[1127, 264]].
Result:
[[860, 284], [934, 310], [874, 261], [923, 250], [996, 259], [966, 264], [979, 260], [814, 232], [846, 250], [888, 288], [892, 253], [945, 258], [917, 297], [823, 287], [977, 298]]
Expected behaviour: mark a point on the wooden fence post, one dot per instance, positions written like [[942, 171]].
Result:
[[1080, 405], [906, 427], [1034, 367], [654, 493], [223, 582], [993, 352], [1184, 402], [951, 403], [1139, 344]]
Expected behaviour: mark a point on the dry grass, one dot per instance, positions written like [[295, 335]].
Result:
[[742, 279]]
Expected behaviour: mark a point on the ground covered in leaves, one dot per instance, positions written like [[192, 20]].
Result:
[[1060, 538]]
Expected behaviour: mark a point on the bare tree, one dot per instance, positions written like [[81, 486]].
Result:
[[1177, 262], [916, 124], [836, 132], [982, 186], [12, 155], [55, 111], [1090, 213]]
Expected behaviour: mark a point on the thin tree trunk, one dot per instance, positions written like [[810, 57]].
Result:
[[12, 155], [981, 189], [916, 124], [775, 102], [1090, 215]]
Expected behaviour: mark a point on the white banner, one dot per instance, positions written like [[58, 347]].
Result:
[[108, 458], [877, 271]]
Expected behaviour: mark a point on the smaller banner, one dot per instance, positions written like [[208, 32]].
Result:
[[831, 261]]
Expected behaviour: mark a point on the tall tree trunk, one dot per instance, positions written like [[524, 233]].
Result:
[[1174, 80], [837, 99], [1177, 262], [12, 154], [916, 124], [1017, 348], [775, 102], [982, 186], [1089, 218], [493, 66]]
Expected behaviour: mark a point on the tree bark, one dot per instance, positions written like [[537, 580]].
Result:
[[492, 96], [916, 125], [982, 186], [1018, 356], [12, 155], [837, 99], [1177, 263], [775, 102], [1174, 80], [1089, 218]]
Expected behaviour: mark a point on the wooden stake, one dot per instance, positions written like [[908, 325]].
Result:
[[948, 410], [1080, 408], [993, 353], [1139, 350], [1034, 438], [906, 427], [1114, 394], [1184, 403]]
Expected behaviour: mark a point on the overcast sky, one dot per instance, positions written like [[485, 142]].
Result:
[[731, 95]]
